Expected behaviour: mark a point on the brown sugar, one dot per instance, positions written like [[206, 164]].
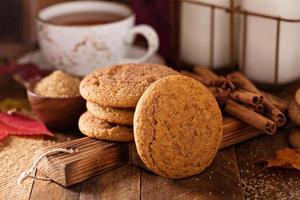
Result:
[[16, 155], [58, 85]]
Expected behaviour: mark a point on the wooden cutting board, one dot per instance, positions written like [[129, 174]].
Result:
[[95, 156]]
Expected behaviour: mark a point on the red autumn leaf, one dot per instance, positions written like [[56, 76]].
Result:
[[6, 130], [5, 70], [29, 71], [286, 158], [17, 124], [23, 72], [3, 131]]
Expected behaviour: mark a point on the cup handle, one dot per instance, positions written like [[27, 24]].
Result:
[[152, 39]]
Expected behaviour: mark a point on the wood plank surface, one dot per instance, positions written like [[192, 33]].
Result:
[[95, 156], [45, 190], [91, 157], [260, 183], [122, 183], [219, 181]]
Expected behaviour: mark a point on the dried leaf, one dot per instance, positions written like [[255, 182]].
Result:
[[23, 73], [29, 71], [3, 131], [286, 158], [17, 124], [5, 70]]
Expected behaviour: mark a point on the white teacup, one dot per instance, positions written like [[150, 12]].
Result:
[[80, 49]]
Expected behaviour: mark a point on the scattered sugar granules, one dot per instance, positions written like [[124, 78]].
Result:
[[270, 184], [58, 85], [17, 155]]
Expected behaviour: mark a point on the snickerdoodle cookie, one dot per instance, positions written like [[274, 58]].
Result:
[[121, 85], [111, 114], [177, 127], [294, 112], [101, 129]]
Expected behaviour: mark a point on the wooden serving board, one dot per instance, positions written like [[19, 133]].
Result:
[[95, 156]]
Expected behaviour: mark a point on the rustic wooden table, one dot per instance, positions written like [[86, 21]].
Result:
[[234, 174]]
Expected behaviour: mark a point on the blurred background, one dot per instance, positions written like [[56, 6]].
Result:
[[17, 28], [243, 35]]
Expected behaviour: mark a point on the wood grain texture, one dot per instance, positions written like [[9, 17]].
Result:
[[219, 181], [93, 157], [235, 131], [51, 191], [122, 183]]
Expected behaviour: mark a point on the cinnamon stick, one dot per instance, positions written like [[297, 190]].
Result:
[[205, 73], [244, 82], [224, 83], [194, 76], [211, 79], [220, 95], [234, 109], [259, 109], [280, 103], [249, 98], [250, 117], [273, 112]]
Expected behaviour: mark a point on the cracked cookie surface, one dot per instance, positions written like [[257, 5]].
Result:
[[103, 130], [121, 85], [177, 127], [114, 115]]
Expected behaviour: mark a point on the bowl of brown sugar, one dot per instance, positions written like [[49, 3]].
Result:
[[56, 100]]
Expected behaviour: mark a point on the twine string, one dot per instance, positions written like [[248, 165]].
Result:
[[31, 173]]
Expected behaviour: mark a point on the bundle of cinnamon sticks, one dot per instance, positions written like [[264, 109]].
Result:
[[240, 98]]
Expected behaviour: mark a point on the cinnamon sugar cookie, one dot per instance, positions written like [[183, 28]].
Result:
[[294, 112], [101, 129], [110, 114], [177, 127], [121, 85]]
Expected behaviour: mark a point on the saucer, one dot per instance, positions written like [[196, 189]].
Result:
[[38, 58]]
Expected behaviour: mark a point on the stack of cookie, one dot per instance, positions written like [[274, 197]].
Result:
[[177, 122], [294, 113], [112, 94]]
